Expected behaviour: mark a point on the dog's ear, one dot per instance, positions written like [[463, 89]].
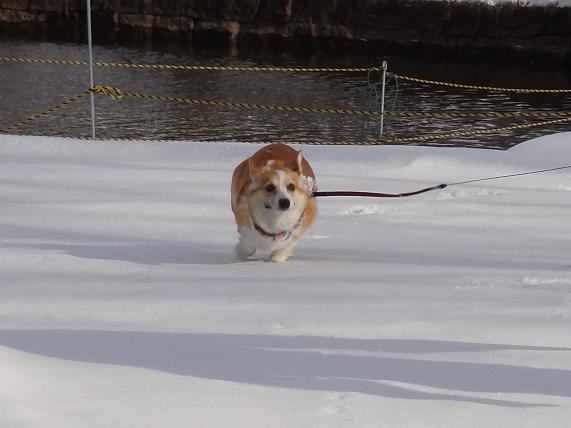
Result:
[[297, 166], [252, 168]]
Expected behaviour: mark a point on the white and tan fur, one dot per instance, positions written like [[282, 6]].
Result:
[[271, 201]]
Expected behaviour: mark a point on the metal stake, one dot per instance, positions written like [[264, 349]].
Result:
[[384, 67], [90, 48]]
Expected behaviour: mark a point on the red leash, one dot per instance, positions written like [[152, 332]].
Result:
[[429, 189], [378, 195]]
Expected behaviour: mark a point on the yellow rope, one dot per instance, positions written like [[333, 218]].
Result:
[[113, 92], [484, 88], [45, 113], [117, 93], [432, 137], [482, 132], [483, 114], [110, 91], [216, 103], [187, 67], [279, 69], [396, 140]]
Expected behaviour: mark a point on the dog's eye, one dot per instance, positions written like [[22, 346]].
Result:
[[291, 187], [270, 188]]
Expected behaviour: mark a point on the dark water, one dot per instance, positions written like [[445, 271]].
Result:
[[30, 88]]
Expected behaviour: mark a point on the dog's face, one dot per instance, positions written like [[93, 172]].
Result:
[[278, 196]]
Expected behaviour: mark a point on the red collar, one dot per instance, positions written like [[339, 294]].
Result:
[[281, 236]]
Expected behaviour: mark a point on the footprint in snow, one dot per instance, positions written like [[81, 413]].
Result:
[[363, 210], [338, 407]]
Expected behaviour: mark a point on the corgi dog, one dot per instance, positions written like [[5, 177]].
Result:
[[272, 201]]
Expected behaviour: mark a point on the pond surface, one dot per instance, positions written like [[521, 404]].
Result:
[[27, 88]]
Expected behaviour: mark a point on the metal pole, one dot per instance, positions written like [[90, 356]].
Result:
[[90, 48], [384, 67]]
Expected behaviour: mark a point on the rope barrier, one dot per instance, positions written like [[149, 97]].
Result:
[[482, 114], [432, 137], [281, 70], [483, 88], [31, 118], [188, 67], [425, 138], [117, 93], [99, 89]]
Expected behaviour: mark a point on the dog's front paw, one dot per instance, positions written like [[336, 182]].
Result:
[[243, 251], [280, 256]]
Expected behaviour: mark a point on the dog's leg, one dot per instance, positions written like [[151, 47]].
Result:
[[284, 253], [243, 248]]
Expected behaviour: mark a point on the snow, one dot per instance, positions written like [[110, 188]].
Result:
[[559, 3], [121, 303]]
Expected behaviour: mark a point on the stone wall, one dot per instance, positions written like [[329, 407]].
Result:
[[452, 29]]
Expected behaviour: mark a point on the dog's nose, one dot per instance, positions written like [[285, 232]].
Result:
[[284, 204]]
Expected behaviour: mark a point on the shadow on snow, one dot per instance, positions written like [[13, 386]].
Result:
[[308, 363]]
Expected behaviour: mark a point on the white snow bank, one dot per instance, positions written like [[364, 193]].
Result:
[[560, 3], [121, 303]]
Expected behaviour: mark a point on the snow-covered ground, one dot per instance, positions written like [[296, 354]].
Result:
[[121, 304], [560, 3]]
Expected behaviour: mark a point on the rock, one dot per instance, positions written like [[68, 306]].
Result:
[[17, 22], [168, 29], [394, 15], [178, 8], [260, 35], [365, 13], [558, 21], [464, 19], [15, 4], [224, 10], [278, 11], [240, 10], [105, 27], [123, 6], [555, 47], [316, 11], [135, 28], [49, 5], [495, 21], [216, 32], [457, 29], [528, 21], [431, 17]]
